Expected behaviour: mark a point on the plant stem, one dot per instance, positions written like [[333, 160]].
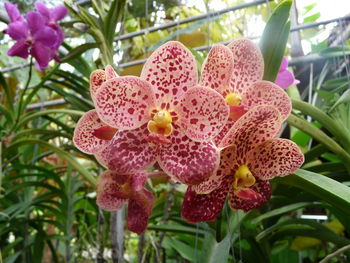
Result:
[[334, 254], [320, 136]]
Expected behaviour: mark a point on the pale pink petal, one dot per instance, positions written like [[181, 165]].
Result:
[[110, 195], [110, 73], [261, 187], [102, 156], [171, 70], [203, 207], [258, 125], [97, 77], [187, 161], [202, 113], [83, 137], [124, 102], [139, 210], [130, 152], [275, 157], [248, 64], [267, 93], [227, 167], [217, 68]]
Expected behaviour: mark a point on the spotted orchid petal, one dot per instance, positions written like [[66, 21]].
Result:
[[111, 195], [217, 68], [130, 151], [139, 210], [227, 164], [261, 188], [97, 77], [202, 113], [125, 102], [258, 125], [248, 64], [267, 93], [110, 73], [218, 138], [84, 138], [203, 207], [188, 161], [275, 157], [171, 70]]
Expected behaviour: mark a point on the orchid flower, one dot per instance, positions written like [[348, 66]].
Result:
[[285, 78], [243, 88], [163, 116], [251, 156], [114, 190], [13, 12]]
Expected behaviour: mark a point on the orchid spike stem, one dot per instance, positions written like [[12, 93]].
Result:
[[157, 174], [320, 136]]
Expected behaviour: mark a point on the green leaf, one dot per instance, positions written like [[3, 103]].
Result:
[[327, 189], [274, 39], [336, 51], [176, 229], [114, 15], [186, 251], [344, 98], [7, 114], [75, 52], [214, 251], [4, 85]]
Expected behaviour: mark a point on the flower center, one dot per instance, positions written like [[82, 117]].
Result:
[[243, 178], [233, 99], [161, 123]]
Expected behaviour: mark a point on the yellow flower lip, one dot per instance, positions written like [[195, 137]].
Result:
[[243, 178], [233, 99], [161, 123]]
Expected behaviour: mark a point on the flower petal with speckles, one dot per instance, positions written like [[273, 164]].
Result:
[[275, 157], [110, 194], [217, 68], [130, 152], [267, 93], [110, 73], [258, 125], [97, 78], [171, 70], [203, 207], [248, 64], [124, 102], [202, 113], [187, 161], [261, 187], [83, 137], [139, 210]]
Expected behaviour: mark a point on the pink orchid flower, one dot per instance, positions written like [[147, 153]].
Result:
[[285, 78], [251, 156], [243, 88], [114, 190], [163, 116]]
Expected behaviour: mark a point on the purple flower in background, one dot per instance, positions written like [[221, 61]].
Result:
[[285, 78], [37, 35]]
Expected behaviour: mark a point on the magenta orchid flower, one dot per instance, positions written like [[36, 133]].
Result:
[[285, 78], [250, 157], [243, 88], [13, 12], [162, 116], [114, 190]]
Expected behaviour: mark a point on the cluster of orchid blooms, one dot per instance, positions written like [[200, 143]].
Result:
[[37, 34], [218, 135]]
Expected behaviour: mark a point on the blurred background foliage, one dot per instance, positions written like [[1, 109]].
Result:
[[47, 205]]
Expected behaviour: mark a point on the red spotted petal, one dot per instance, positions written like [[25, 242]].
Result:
[[124, 102], [83, 137], [102, 156], [258, 125], [218, 138], [139, 210], [130, 152], [267, 93], [248, 64], [112, 191], [217, 68], [203, 207], [110, 73], [275, 157], [138, 181], [226, 169], [171, 70], [203, 113], [261, 187], [187, 161], [97, 78]]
